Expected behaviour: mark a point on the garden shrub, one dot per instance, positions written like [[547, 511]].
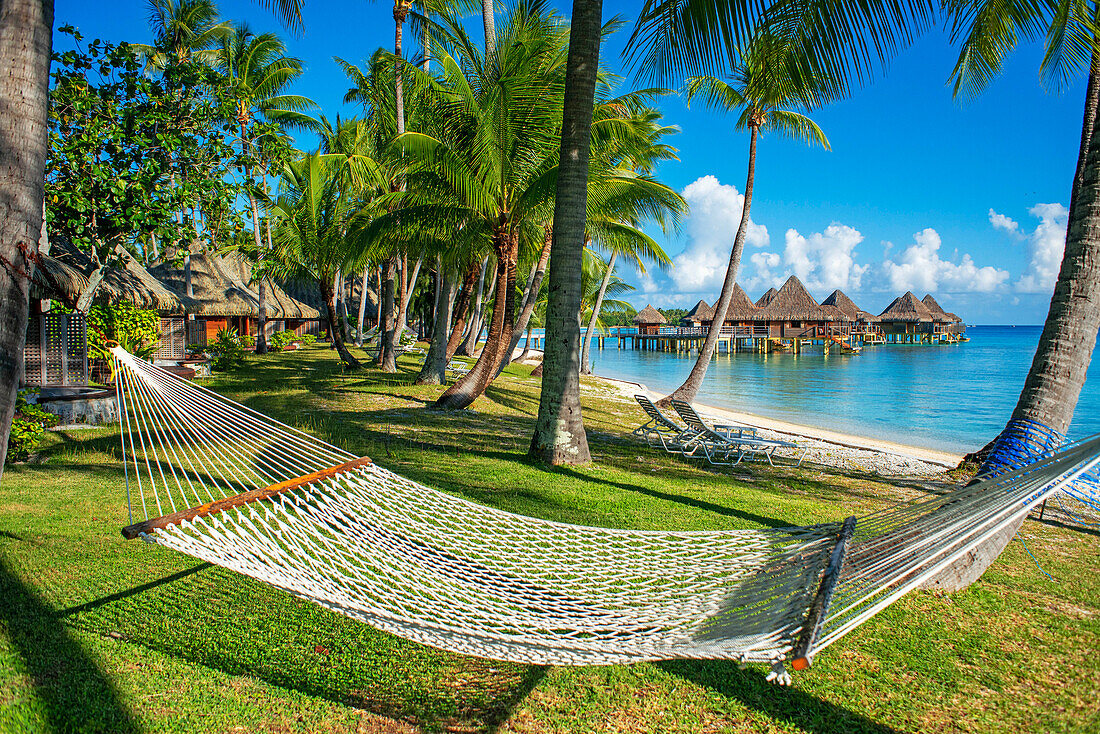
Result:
[[281, 339], [227, 350], [137, 330], [27, 426]]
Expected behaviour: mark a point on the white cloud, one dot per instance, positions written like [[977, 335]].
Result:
[[1045, 247], [1006, 223], [825, 261], [711, 226], [919, 268]]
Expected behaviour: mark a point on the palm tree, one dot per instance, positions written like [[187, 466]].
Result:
[[849, 39], [767, 78], [559, 436], [183, 30], [319, 219], [488, 170], [257, 73], [639, 152]]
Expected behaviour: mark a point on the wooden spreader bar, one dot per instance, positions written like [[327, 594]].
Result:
[[211, 508], [803, 651]]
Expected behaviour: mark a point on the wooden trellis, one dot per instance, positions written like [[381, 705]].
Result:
[[56, 352]]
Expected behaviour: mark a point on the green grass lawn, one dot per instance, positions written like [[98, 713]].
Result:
[[101, 634]]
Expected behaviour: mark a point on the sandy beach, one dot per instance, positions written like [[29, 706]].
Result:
[[829, 448]]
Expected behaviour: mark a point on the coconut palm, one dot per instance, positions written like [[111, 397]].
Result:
[[318, 224], [183, 30], [639, 151], [487, 169], [256, 71], [769, 77], [559, 436]]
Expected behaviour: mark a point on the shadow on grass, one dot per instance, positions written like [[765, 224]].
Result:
[[788, 705], [76, 694], [224, 621]]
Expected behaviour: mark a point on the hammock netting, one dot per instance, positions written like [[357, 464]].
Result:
[[460, 576]]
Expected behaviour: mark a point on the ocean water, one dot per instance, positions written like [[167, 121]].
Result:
[[949, 397]]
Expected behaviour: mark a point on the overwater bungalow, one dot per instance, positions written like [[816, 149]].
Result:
[[858, 320], [649, 320], [741, 314], [792, 313], [224, 297], [906, 319], [943, 322], [699, 315]]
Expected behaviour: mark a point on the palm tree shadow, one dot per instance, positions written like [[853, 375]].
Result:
[[76, 694], [790, 706]]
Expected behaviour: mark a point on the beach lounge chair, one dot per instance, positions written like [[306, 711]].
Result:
[[728, 445], [457, 370], [660, 429]]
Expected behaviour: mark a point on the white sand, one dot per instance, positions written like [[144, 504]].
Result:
[[830, 448]]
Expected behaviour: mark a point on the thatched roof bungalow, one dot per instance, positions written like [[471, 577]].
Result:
[[943, 321], [765, 299], [847, 308], [699, 314], [65, 274], [741, 311], [906, 314], [793, 312], [649, 320], [224, 297]]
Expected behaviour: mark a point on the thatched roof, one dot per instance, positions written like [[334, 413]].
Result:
[[793, 303], [847, 307], [221, 287], [938, 313], [700, 312], [906, 308], [67, 270], [765, 299], [650, 315], [740, 308]]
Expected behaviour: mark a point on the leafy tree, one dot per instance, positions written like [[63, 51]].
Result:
[[118, 143]]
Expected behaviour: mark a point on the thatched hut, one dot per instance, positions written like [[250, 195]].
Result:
[[793, 313], [765, 299], [649, 320], [741, 313], [906, 314], [224, 297], [65, 274], [699, 314], [943, 322], [848, 312]]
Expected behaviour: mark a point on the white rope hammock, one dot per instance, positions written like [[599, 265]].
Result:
[[226, 484]]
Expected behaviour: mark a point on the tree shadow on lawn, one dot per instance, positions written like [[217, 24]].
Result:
[[76, 694], [228, 622], [785, 705]]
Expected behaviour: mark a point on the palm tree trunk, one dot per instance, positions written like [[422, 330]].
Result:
[[362, 305], [434, 371], [406, 297], [690, 388], [526, 344], [585, 369], [26, 35], [340, 284], [387, 355], [469, 344], [437, 276], [261, 321], [559, 436], [461, 307], [378, 291], [328, 295], [530, 297], [470, 387], [488, 20]]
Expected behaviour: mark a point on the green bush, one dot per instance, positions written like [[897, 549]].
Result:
[[281, 339], [137, 330], [247, 340], [227, 350], [307, 339], [27, 427]]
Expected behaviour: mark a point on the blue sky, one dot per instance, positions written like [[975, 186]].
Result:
[[964, 200]]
